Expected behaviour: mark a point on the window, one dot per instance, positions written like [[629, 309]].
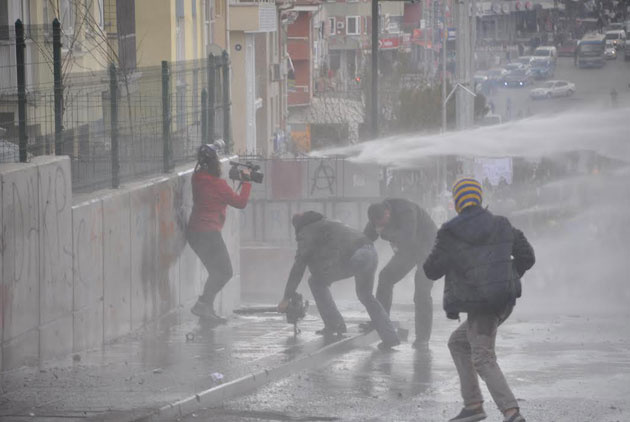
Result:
[[209, 12], [352, 25], [219, 7], [331, 24], [100, 18], [67, 16], [4, 20]]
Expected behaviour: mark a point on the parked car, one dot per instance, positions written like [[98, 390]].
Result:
[[496, 75], [510, 67], [542, 68], [518, 78], [524, 60], [610, 52], [567, 48], [552, 89]]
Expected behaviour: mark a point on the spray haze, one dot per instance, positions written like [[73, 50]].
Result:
[[578, 220]]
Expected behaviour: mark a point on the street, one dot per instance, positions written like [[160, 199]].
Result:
[[563, 367], [593, 87]]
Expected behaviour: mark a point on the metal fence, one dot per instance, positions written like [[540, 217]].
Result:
[[116, 123]]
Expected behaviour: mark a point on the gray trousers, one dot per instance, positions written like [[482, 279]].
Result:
[[362, 265], [396, 269], [472, 348]]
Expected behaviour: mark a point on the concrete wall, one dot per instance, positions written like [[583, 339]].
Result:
[[76, 276]]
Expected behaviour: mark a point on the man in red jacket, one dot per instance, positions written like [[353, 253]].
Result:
[[211, 196]]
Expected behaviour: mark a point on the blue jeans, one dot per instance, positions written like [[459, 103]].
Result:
[[362, 266]]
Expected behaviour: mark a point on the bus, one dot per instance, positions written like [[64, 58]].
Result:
[[590, 51]]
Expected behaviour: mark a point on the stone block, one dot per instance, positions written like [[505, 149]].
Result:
[[324, 178], [309, 206], [171, 240], [55, 338], [246, 221], [116, 265], [87, 227], [144, 292], [360, 180], [21, 350], [190, 276], [20, 253], [277, 222], [55, 237], [348, 213]]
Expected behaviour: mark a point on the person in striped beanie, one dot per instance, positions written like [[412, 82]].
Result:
[[467, 192], [482, 258]]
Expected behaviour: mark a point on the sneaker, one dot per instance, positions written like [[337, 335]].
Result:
[[327, 330], [516, 418], [387, 347], [470, 415], [366, 327]]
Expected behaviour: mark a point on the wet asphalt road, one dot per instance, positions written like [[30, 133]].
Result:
[[561, 368]]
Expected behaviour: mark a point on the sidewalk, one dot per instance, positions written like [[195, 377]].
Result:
[[161, 365]]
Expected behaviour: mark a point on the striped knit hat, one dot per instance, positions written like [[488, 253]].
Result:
[[466, 192]]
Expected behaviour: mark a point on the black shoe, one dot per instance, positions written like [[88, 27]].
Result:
[[387, 347], [328, 331], [470, 415]]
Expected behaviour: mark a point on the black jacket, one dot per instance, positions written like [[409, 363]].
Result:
[[483, 258], [324, 246], [410, 230]]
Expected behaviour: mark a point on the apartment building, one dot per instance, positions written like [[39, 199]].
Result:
[[349, 31], [92, 37]]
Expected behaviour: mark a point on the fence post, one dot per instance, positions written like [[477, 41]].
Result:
[[166, 119], [113, 97], [226, 101], [58, 90], [204, 116], [211, 98], [20, 46]]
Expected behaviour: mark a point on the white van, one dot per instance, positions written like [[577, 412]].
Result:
[[550, 52], [617, 36]]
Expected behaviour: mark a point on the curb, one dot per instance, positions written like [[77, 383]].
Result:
[[248, 383]]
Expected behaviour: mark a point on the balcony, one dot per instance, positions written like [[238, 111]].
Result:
[[253, 16]]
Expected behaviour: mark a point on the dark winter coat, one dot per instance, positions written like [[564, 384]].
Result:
[[323, 246], [410, 230], [483, 258]]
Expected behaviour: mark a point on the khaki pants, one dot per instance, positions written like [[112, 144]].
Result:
[[472, 348]]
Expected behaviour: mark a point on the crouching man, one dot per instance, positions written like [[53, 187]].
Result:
[[483, 258], [333, 251]]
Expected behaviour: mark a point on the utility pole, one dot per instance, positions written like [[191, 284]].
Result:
[[374, 79], [463, 66], [444, 40]]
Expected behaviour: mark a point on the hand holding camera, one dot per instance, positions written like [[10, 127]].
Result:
[[248, 172]]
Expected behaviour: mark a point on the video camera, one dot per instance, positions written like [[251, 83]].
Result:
[[237, 174]]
